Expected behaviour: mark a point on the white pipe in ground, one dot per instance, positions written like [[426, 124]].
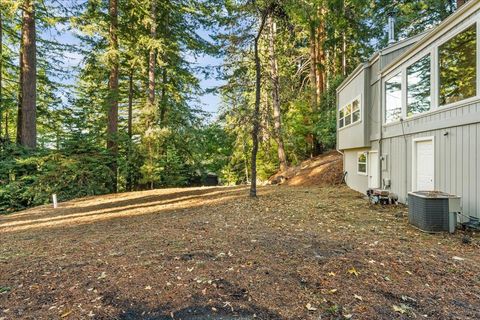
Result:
[[55, 202]]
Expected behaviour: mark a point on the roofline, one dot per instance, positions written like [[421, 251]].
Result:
[[433, 34], [351, 76], [373, 58]]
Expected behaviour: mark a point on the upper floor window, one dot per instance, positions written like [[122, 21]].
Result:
[[418, 87], [393, 98], [458, 67], [349, 114]]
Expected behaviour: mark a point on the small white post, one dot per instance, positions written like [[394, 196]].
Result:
[[55, 202]]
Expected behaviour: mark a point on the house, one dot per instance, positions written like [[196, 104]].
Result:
[[409, 117]]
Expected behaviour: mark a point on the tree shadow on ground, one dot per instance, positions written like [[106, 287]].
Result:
[[200, 310]]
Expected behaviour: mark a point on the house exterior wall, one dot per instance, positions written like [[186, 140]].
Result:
[[354, 180], [455, 128], [355, 135], [456, 135]]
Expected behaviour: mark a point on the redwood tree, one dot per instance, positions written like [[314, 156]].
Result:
[[27, 108], [112, 105]]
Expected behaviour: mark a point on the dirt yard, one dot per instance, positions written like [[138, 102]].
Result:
[[213, 253]]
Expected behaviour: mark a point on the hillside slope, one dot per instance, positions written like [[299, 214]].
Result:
[[326, 169]]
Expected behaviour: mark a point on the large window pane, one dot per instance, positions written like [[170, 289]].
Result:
[[418, 86], [393, 98], [458, 67]]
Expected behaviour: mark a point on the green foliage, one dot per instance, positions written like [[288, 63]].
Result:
[[30, 178]]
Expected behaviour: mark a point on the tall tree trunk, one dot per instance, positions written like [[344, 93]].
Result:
[[7, 135], [1, 74], [112, 116], [152, 55], [130, 132], [277, 113], [344, 45], [256, 113], [313, 67], [163, 96], [320, 69], [27, 111], [320, 50], [344, 54]]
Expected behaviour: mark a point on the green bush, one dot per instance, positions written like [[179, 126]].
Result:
[[30, 178]]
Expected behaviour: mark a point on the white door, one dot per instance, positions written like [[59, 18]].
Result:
[[373, 169], [424, 168]]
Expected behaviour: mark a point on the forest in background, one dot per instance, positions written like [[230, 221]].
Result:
[[128, 118]]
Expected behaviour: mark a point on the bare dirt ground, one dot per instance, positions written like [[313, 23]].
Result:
[[323, 170], [214, 253]]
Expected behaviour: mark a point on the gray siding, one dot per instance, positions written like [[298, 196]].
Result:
[[374, 120], [390, 57], [375, 72], [456, 128], [457, 162], [441, 118], [354, 180], [354, 136]]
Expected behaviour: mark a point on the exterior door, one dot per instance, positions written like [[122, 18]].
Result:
[[373, 169], [424, 166]]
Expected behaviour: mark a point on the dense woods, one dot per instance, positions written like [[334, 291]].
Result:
[[102, 96]]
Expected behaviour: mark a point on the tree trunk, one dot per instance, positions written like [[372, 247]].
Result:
[[163, 101], [313, 67], [112, 116], [130, 132], [277, 115], [320, 50], [7, 135], [152, 56], [1, 74], [256, 113], [27, 111]]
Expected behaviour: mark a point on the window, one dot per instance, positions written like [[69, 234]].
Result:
[[349, 114], [418, 87], [355, 111], [393, 98], [458, 67], [341, 116], [362, 163]]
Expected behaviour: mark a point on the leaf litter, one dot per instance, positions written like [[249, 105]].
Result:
[[317, 252]]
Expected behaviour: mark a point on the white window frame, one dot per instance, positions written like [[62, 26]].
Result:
[[365, 163], [437, 65], [430, 54], [403, 94], [360, 105]]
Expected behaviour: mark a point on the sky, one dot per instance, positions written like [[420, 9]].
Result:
[[208, 102]]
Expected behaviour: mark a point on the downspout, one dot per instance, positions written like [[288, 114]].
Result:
[[380, 117]]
